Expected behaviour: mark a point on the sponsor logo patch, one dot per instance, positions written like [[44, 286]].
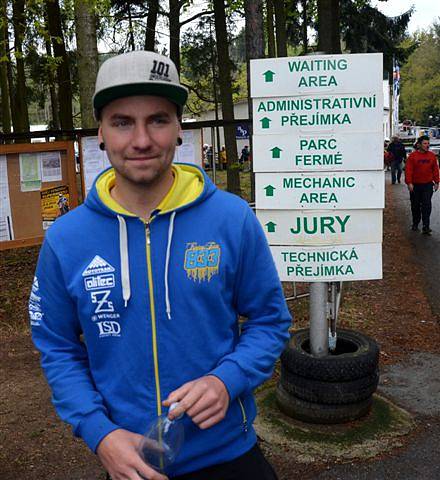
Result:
[[97, 266], [35, 312], [202, 261], [96, 282], [160, 71], [109, 329], [102, 301]]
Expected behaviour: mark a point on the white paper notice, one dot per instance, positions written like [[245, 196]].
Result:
[[6, 228], [30, 174], [50, 166], [94, 160], [186, 152]]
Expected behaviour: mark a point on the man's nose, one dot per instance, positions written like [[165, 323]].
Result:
[[141, 137]]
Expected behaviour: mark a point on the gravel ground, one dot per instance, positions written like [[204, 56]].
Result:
[[400, 312]]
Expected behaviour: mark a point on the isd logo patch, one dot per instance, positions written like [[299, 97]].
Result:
[[202, 261]]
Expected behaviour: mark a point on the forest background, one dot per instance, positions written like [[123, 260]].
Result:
[[50, 51]]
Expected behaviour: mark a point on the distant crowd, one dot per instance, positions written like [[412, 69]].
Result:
[[221, 160]]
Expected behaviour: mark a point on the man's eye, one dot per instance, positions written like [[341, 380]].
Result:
[[121, 123], [160, 120]]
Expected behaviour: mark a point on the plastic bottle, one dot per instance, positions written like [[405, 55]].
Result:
[[163, 441]]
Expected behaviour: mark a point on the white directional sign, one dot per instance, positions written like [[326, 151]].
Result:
[[320, 191], [316, 152], [328, 264], [318, 73], [312, 227], [318, 163], [356, 112]]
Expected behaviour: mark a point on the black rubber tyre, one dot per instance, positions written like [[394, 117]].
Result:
[[330, 393], [356, 356], [319, 413]]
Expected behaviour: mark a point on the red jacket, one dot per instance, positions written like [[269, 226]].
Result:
[[421, 167]]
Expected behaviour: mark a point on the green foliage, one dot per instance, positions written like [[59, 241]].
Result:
[[365, 29], [294, 22], [420, 79], [199, 68]]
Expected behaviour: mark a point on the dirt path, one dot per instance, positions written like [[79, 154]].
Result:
[[34, 444]]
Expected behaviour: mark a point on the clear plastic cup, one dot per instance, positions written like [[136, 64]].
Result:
[[163, 441]]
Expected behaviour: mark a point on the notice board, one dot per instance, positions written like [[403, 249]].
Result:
[[26, 172]]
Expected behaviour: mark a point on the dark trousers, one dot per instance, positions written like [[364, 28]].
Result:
[[421, 203], [396, 171], [252, 465]]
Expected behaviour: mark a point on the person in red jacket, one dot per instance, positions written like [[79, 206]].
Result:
[[422, 178]]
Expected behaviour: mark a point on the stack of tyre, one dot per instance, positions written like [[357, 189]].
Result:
[[336, 388]]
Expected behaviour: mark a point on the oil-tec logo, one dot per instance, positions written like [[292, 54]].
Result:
[[99, 281], [202, 261]]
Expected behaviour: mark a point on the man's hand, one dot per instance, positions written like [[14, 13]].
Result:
[[435, 187], [119, 455], [205, 400], [410, 187]]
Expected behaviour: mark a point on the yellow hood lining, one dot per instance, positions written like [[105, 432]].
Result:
[[187, 187]]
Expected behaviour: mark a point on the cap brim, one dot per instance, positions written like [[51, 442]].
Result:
[[174, 93]]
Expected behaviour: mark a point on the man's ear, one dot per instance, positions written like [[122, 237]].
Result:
[[100, 138]]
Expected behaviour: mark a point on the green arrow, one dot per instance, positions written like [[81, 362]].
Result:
[[269, 190], [268, 76], [265, 122], [271, 227], [276, 152]]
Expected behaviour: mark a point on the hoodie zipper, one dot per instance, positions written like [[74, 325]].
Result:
[[243, 414], [153, 320]]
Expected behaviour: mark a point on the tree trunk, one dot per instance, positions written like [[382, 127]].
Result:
[[304, 27], [329, 40], [131, 29], [52, 84], [174, 20], [225, 81], [150, 34], [63, 74], [254, 33], [4, 87], [87, 54], [280, 26], [270, 30], [20, 104], [11, 84]]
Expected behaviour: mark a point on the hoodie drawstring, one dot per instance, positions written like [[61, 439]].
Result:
[[167, 261], [123, 252], [125, 269]]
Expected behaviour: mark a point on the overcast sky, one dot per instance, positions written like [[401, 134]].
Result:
[[426, 11]]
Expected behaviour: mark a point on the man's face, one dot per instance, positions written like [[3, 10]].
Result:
[[140, 135], [424, 145]]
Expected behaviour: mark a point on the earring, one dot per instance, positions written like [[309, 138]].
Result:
[[179, 141], [102, 146]]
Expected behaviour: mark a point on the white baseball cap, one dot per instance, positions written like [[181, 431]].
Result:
[[138, 73]]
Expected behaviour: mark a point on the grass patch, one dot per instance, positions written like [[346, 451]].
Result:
[[383, 429], [378, 420]]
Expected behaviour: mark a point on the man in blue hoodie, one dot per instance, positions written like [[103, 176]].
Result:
[[139, 291]]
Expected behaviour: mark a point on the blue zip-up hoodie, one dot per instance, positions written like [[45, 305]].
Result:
[[125, 311]]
